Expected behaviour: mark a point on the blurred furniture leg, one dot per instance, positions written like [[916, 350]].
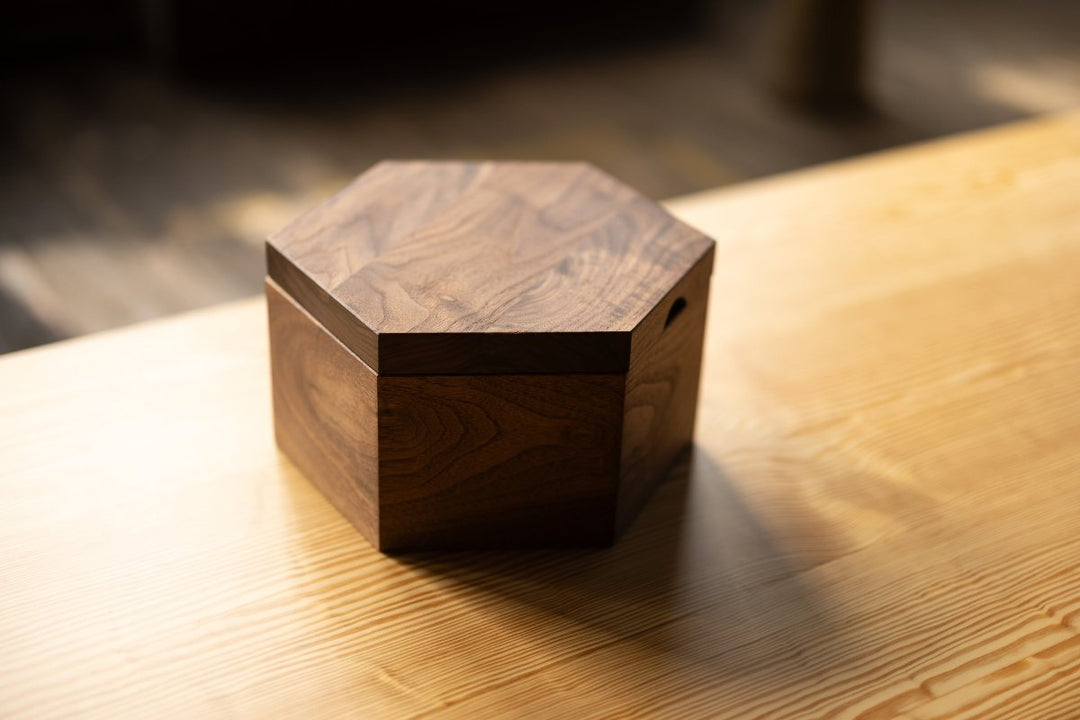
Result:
[[819, 53]]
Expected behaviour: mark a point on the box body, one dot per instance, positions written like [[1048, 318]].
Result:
[[486, 461], [498, 374]]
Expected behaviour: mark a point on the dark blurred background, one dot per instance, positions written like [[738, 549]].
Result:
[[148, 147]]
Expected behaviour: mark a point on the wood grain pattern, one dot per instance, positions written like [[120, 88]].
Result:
[[499, 267], [880, 518], [499, 460]]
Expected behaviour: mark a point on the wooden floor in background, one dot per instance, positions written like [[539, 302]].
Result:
[[125, 196]]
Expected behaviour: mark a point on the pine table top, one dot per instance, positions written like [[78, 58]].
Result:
[[881, 517]]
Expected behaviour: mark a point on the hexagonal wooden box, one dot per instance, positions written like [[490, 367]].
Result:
[[472, 355]]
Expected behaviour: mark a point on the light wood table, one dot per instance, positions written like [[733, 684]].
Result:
[[882, 516]]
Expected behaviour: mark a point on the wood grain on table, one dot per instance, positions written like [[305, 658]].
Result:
[[882, 516]]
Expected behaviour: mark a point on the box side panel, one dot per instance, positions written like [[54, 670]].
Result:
[[662, 390], [325, 415], [498, 460]]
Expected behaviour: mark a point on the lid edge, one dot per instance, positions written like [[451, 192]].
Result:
[[485, 353], [338, 320]]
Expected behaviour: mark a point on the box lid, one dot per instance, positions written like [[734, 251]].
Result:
[[484, 267]]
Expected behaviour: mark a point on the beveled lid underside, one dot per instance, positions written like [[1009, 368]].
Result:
[[482, 267]]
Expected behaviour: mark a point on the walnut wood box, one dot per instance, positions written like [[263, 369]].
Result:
[[470, 355]]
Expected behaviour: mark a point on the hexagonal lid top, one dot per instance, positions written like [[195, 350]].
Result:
[[484, 267]]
